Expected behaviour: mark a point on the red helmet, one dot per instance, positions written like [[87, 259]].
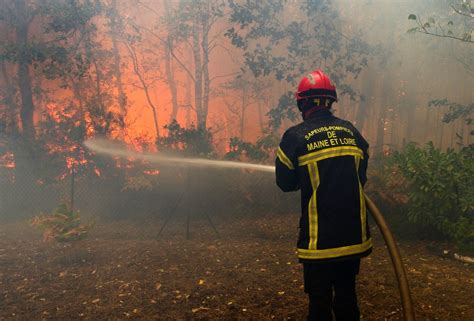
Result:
[[316, 85]]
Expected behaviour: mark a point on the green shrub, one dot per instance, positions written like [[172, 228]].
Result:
[[240, 149], [440, 190], [192, 141], [387, 188], [62, 225]]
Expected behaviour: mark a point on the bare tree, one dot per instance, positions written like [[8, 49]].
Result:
[[144, 85]]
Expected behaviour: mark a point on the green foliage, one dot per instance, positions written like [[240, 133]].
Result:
[[61, 133], [440, 190], [388, 188], [288, 49], [285, 109], [66, 17], [239, 149], [413, 30], [66, 50], [63, 225], [192, 141], [61, 21], [455, 111], [459, 28]]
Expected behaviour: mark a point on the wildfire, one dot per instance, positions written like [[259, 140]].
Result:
[[72, 162], [58, 113], [7, 160], [89, 127], [152, 172]]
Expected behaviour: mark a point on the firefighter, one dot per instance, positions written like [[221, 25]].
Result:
[[326, 158]]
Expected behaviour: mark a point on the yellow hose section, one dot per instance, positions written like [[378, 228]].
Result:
[[408, 312]]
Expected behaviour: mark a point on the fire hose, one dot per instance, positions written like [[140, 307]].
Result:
[[105, 147], [408, 311]]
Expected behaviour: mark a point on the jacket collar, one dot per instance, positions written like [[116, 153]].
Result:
[[318, 113]]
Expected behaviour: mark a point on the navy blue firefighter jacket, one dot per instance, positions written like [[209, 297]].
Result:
[[326, 158]]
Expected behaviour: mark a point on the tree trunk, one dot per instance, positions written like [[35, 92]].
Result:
[[205, 56], [261, 121], [26, 164], [242, 116], [367, 92], [137, 71], [440, 129], [410, 115], [24, 80], [98, 76], [115, 26], [9, 100], [170, 77], [76, 89], [386, 99], [171, 84], [188, 100], [198, 74]]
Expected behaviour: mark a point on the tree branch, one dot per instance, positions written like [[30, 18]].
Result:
[[167, 45], [223, 76], [136, 68], [424, 30], [463, 13]]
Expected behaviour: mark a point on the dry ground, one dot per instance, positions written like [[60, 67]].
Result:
[[121, 271]]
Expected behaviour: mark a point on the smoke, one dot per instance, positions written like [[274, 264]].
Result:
[[106, 147]]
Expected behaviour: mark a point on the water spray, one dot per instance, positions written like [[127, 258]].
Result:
[[106, 147]]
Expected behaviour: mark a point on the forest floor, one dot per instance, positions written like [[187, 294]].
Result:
[[121, 271]]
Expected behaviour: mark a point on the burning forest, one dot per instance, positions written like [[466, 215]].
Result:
[[236, 160]]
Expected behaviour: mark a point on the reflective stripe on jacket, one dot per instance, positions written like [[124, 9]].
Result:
[[326, 158]]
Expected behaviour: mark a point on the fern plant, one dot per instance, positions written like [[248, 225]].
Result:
[[63, 225]]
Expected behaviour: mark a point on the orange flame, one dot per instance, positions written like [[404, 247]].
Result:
[[152, 172]]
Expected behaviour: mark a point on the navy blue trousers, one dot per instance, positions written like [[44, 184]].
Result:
[[331, 287]]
